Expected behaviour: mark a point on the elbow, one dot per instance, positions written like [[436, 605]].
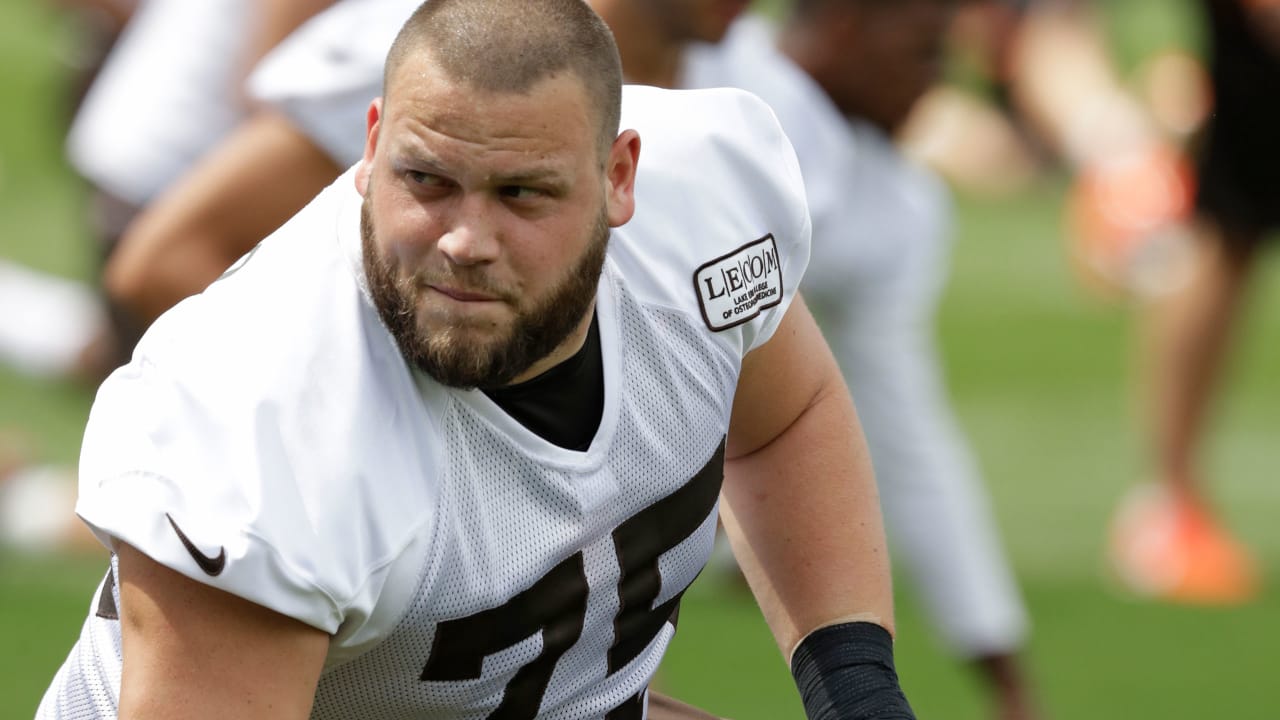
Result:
[[122, 279], [131, 278]]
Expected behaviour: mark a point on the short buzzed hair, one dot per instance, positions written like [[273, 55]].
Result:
[[511, 45]]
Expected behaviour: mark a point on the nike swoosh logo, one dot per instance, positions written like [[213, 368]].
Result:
[[210, 565]]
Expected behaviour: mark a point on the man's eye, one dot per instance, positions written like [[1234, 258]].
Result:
[[423, 178], [520, 192]]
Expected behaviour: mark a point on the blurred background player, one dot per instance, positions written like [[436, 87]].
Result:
[[151, 109], [1167, 540], [1163, 213], [881, 248], [887, 254], [1178, 235]]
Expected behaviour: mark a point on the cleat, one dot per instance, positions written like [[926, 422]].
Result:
[[1167, 547]]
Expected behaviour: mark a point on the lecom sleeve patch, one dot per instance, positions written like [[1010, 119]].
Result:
[[734, 288]]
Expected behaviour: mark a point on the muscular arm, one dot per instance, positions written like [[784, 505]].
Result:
[[799, 499], [193, 652]]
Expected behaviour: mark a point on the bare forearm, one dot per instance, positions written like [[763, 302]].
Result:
[[803, 515]]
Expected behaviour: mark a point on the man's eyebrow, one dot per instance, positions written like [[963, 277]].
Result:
[[551, 177], [417, 156], [421, 158]]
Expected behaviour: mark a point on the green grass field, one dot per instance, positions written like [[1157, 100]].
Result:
[[1041, 375]]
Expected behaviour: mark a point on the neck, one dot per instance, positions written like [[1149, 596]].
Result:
[[649, 55]]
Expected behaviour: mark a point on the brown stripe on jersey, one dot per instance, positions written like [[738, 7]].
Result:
[[632, 709], [640, 542]]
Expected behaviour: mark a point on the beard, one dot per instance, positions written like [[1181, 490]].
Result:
[[461, 356]]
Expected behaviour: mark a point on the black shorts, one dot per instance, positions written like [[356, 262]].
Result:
[[1238, 167]]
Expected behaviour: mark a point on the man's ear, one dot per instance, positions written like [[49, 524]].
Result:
[[620, 174], [373, 122]]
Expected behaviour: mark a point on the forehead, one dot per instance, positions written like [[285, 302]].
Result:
[[424, 103]]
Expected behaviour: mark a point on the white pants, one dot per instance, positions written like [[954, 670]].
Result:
[[169, 91]]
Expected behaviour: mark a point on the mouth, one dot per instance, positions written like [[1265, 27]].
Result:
[[461, 295]]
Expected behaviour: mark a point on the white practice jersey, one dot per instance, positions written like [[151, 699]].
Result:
[[268, 439]]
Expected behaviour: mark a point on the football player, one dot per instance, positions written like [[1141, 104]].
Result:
[[1178, 230], [451, 441], [1167, 539]]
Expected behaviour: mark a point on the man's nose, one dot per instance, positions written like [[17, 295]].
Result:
[[471, 237]]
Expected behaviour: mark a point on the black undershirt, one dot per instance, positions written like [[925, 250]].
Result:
[[564, 404]]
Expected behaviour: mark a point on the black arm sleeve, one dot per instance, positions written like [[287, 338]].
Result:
[[845, 672]]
